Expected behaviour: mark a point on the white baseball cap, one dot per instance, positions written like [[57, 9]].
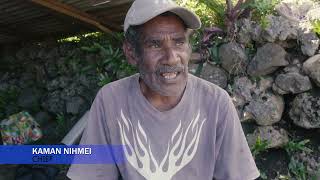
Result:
[[142, 11]]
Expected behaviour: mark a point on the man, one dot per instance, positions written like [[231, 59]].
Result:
[[175, 126]]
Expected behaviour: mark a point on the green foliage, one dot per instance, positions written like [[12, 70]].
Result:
[[199, 69], [317, 175], [298, 169], [77, 39], [106, 60], [61, 128], [104, 79], [208, 16], [230, 89], [264, 22], [217, 11], [110, 64], [261, 9], [60, 119], [263, 175], [293, 147], [250, 50], [217, 8], [283, 177], [108, 55], [195, 39], [259, 146], [213, 52], [255, 79], [316, 26]]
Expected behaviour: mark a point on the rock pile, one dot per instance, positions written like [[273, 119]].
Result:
[[48, 81], [282, 77]]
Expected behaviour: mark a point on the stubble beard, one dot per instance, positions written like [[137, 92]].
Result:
[[155, 87]]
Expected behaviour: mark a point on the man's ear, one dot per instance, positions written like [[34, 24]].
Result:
[[130, 53], [190, 32]]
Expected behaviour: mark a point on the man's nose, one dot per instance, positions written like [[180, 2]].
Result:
[[171, 57]]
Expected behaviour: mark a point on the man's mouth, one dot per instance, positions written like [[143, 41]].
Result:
[[169, 75]]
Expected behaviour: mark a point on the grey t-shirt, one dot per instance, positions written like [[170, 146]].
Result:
[[200, 138]]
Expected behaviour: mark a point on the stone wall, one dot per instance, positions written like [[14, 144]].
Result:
[[273, 75], [48, 81]]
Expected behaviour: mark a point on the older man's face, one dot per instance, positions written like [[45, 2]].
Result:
[[165, 54]]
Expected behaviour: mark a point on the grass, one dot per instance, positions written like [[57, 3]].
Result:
[[61, 127], [261, 9], [297, 169], [294, 146], [259, 146], [316, 26]]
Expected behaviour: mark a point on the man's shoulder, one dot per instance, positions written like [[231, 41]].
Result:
[[208, 88], [119, 86]]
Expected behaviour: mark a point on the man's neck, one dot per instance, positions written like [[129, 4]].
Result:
[[160, 102]]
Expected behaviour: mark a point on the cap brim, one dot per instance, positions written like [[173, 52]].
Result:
[[191, 20]]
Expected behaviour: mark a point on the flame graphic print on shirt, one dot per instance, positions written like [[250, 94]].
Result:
[[186, 150]]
